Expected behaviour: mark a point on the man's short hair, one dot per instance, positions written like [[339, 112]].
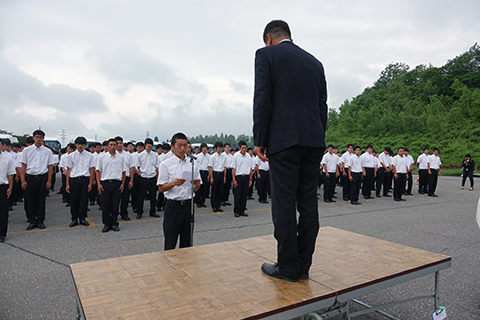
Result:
[[203, 145], [104, 143], [1, 142], [112, 140], [38, 132], [118, 138], [330, 146], [178, 136], [388, 149], [159, 146], [29, 140], [129, 143], [81, 140], [357, 147], [241, 143], [426, 148], [148, 141], [227, 144], [277, 28], [349, 145], [97, 144], [166, 146], [249, 149], [436, 149], [218, 144], [140, 144], [72, 146], [16, 145], [369, 146], [7, 142], [406, 149], [400, 148], [91, 145]]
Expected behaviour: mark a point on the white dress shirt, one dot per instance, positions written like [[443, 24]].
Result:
[[175, 168], [203, 160], [242, 163], [228, 159], [37, 159], [345, 158], [147, 164], [368, 160], [356, 164], [410, 161], [129, 161], [400, 164], [7, 168], [217, 162], [434, 162], [331, 161], [111, 167], [385, 159], [80, 163], [262, 165], [422, 161]]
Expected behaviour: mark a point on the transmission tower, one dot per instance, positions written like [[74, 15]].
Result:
[[63, 136]]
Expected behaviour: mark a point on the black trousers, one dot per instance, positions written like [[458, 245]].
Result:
[[202, 193], [469, 174], [3, 210], [110, 196], [93, 194], [250, 189], [228, 185], [346, 186], [240, 193], [387, 182], [66, 196], [125, 197], [217, 190], [161, 200], [79, 197], [36, 194], [329, 188], [399, 186], [177, 224], [293, 183], [380, 181], [432, 181], [262, 185], [150, 185], [409, 183], [368, 182], [16, 191], [355, 186], [134, 192], [422, 180]]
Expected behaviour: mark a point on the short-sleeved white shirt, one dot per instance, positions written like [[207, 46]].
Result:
[[174, 168]]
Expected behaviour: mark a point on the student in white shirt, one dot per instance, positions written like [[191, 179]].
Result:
[[263, 180], [434, 164], [344, 160], [110, 173], [382, 172], [216, 175], [399, 174], [134, 184], [410, 162], [355, 174], [203, 158], [369, 173], [7, 171], [178, 221], [126, 190], [79, 181], [242, 179], [147, 164], [36, 176], [330, 166], [423, 171], [228, 174]]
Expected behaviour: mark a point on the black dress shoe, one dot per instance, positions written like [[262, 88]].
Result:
[[84, 223], [227, 203], [106, 229], [378, 196], [68, 204], [115, 228], [304, 275], [219, 209], [154, 215], [395, 199], [356, 203], [31, 226], [215, 210], [199, 205], [401, 199], [2, 239], [243, 214], [345, 199], [272, 270], [126, 218], [203, 205], [331, 200], [73, 223], [237, 215], [387, 195], [327, 201], [40, 225], [139, 216], [222, 203], [92, 203]]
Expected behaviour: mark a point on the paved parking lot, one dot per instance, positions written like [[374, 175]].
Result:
[[35, 280]]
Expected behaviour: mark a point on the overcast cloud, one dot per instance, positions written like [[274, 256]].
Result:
[[111, 68]]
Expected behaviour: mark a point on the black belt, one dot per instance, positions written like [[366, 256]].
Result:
[[242, 175], [203, 170], [400, 173], [36, 175], [82, 177], [3, 185], [218, 172], [111, 180], [181, 202], [148, 178]]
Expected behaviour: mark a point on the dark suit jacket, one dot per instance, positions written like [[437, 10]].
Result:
[[290, 100]]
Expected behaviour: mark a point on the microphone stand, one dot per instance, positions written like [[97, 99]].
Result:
[[192, 214]]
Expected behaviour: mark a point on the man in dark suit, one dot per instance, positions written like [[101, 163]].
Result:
[[289, 121]]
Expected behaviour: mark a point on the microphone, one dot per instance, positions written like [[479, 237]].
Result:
[[191, 156]]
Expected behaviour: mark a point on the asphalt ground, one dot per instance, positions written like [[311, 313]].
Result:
[[35, 279]]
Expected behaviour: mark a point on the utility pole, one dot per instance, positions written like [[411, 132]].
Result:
[[63, 136]]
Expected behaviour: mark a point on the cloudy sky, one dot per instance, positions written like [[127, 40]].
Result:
[[121, 67]]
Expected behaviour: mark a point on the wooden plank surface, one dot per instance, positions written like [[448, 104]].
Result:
[[224, 280]]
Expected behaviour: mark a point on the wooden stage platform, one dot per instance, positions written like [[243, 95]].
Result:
[[224, 280]]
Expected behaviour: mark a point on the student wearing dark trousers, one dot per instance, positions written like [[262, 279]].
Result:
[[434, 164], [254, 177], [147, 164], [263, 180], [369, 172], [79, 180], [110, 172], [468, 166], [7, 172], [399, 174], [423, 171], [344, 160], [330, 167], [178, 223], [410, 162], [36, 174], [355, 174], [135, 189], [228, 174], [125, 197], [216, 172], [203, 158], [242, 178], [383, 169]]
